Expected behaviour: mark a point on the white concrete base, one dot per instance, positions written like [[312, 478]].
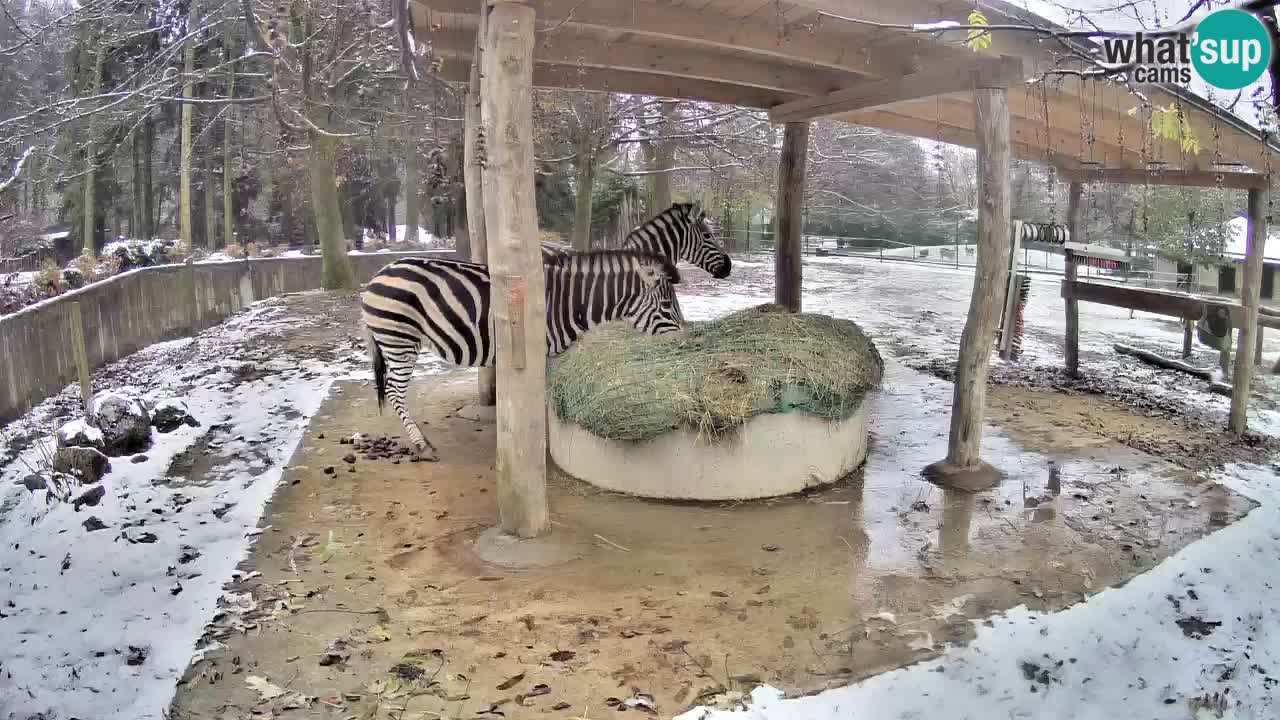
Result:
[[771, 455]]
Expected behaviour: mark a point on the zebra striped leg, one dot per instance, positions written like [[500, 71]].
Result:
[[400, 362]]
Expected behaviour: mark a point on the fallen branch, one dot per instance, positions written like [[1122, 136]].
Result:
[[1215, 386]]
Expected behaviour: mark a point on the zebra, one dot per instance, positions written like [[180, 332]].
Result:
[[679, 232], [445, 303]]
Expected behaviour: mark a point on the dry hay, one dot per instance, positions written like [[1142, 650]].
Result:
[[622, 385]]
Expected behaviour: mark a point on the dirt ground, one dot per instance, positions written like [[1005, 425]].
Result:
[[364, 596]]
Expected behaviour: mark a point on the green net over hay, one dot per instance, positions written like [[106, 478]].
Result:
[[622, 385]]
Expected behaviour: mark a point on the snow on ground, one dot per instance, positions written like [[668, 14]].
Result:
[[102, 623], [1119, 653], [78, 605], [18, 278]]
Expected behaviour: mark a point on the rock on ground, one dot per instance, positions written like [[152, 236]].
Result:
[[170, 414], [124, 419], [80, 434], [86, 463]]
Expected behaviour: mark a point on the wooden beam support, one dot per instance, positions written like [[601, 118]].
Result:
[[1249, 291], [1160, 302], [980, 72], [585, 51], [473, 180], [817, 46], [1194, 178], [789, 216], [518, 294], [963, 466], [638, 83], [1072, 335]]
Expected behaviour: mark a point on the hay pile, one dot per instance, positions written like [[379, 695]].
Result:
[[621, 385]]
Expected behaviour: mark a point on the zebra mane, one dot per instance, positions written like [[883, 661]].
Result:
[[570, 260], [677, 211]]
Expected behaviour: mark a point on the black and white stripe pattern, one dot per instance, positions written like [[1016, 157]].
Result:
[[444, 304], [681, 232]]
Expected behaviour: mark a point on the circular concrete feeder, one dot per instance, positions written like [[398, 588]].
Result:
[[770, 455]]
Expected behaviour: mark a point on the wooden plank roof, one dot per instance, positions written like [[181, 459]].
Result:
[[763, 53]]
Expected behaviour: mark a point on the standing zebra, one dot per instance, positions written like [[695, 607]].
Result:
[[446, 304], [679, 232]]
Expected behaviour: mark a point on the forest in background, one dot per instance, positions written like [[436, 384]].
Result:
[[184, 120]]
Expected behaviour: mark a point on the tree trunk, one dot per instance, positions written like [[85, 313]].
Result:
[[664, 153], [138, 211], [585, 175], [1250, 289], [790, 216], [210, 217], [515, 262], [148, 191], [185, 230], [228, 208], [336, 270], [1073, 308], [412, 178], [473, 181], [90, 229], [963, 466]]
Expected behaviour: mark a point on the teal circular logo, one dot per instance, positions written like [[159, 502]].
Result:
[[1231, 49]]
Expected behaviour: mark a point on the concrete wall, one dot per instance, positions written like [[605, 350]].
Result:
[[135, 309]]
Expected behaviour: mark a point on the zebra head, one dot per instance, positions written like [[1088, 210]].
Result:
[[656, 309], [699, 246]]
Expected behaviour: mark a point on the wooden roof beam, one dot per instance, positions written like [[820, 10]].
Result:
[[567, 77], [820, 47], [979, 72], [578, 51], [1195, 178]]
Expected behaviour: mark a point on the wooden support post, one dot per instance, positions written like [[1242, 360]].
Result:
[[515, 266], [1072, 336], [789, 217], [472, 176], [82, 355], [1188, 329], [1249, 291], [1257, 348], [963, 466]]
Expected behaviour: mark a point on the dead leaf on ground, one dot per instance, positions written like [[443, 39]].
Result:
[[511, 682]]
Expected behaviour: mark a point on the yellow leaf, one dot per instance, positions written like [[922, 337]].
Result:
[[978, 39], [380, 634]]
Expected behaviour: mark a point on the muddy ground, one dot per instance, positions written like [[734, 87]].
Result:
[[371, 599]]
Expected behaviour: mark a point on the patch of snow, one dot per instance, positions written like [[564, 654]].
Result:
[[79, 604], [79, 427], [935, 26], [127, 396]]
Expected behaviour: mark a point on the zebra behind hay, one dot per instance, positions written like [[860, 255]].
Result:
[[681, 232], [445, 303]]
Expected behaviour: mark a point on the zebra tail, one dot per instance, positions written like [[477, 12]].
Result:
[[379, 369]]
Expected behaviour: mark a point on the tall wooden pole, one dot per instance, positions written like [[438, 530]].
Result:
[[515, 265], [1073, 307], [963, 466], [1249, 291], [789, 216], [473, 180]]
